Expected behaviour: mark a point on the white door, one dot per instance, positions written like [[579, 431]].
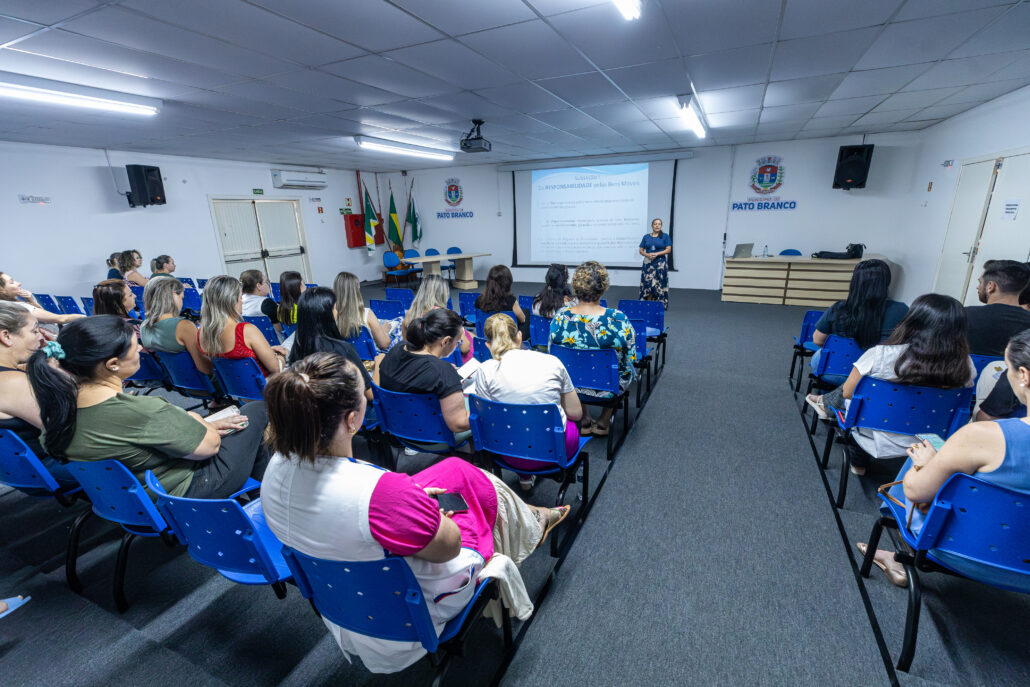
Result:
[[262, 235], [972, 200], [279, 225], [1006, 231]]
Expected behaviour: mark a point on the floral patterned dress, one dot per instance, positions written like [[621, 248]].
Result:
[[610, 330], [654, 274]]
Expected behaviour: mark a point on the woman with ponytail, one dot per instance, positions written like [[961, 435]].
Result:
[[322, 502], [77, 381], [516, 375], [434, 293]]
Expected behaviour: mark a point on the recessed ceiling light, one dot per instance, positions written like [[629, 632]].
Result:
[[690, 116], [394, 148], [630, 9]]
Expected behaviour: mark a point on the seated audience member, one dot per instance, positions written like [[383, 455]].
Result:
[[1001, 402], [414, 366], [11, 291], [163, 266], [927, 348], [224, 334], [556, 293], [1000, 318], [78, 384], [497, 295], [129, 262], [317, 332], [256, 301], [291, 285], [112, 266], [113, 297], [352, 315], [588, 324], [432, 293], [20, 337], [321, 501], [997, 452], [163, 330], [516, 375]]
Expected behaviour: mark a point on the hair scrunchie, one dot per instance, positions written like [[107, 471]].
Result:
[[52, 349]]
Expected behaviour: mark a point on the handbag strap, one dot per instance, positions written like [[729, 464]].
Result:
[[884, 489]]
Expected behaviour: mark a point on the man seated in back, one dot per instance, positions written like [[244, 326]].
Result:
[[990, 326]]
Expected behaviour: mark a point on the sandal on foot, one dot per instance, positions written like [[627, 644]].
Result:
[[587, 430], [526, 482], [554, 518], [600, 430], [896, 577], [817, 406]]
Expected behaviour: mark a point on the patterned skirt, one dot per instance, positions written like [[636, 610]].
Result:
[[654, 280]]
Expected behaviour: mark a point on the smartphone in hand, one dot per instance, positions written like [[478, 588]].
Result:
[[934, 439], [451, 501]]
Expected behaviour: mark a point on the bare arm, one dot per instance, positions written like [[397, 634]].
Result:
[[445, 545], [818, 338], [454, 412], [519, 315], [643, 252], [186, 334], [137, 278], [974, 447], [851, 382], [375, 371], [16, 398], [573, 408], [268, 358], [47, 317], [379, 334]]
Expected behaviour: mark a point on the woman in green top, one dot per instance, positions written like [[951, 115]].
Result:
[[163, 330], [87, 417]]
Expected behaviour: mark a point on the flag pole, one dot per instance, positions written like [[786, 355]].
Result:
[[407, 211], [389, 186]]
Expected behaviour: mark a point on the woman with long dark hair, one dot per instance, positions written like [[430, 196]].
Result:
[[497, 295], [77, 381], [317, 331], [291, 285], [556, 293], [654, 274]]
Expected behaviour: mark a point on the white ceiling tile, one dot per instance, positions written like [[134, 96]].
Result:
[[617, 113], [234, 103], [910, 99], [521, 124], [788, 127], [338, 88], [611, 42], [438, 133], [676, 127], [986, 91], [271, 93], [660, 108], [415, 140], [913, 126], [962, 72], [532, 49], [49, 11], [823, 123], [825, 54], [918, 9], [468, 106], [565, 119], [734, 140], [942, 111], [374, 26], [373, 117], [599, 133], [417, 111], [11, 29], [456, 17], [816, 133], [788, 113], [653, 80], [739, 67], [890, 117], [454, 63], [737, 119], [638, 130], [1018, 69], [703, 27], [878, 81], [811, 89], [846, 106], [583, 90], [388, 75], [330, 124], [812, 17], [1008, 33], [730, 99], [923, 40], [523, 97]]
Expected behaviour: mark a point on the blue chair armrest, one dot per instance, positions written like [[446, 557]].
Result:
[[250, 485], [810, 346]]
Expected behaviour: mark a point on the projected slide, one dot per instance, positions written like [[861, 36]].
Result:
[[583, 213]]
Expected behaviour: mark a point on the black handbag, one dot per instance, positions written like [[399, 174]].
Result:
[[854, 251]]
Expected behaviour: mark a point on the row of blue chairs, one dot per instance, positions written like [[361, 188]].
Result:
[[393, 269]]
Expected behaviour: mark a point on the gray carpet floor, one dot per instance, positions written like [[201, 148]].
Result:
[[712, 555]]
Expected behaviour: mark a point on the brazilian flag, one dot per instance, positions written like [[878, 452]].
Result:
[[395, 229], [371, 222]]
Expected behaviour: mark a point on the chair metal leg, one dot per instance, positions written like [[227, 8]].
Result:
[[625, 415], [72, 554], [280, 589], [845, 471], [793, 363], [586, 486], [120, 602], [506, 626], [915, 597], [831, 434], [871, 546]]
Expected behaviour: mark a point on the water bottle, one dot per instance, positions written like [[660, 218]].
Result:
[[765, 251]]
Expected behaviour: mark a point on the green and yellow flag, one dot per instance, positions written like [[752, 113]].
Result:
[[394, 227], [371, 222]]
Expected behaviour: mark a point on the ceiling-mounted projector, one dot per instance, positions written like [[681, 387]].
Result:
[[473, 141]]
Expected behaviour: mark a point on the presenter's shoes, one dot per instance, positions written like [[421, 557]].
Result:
[[884, 560]]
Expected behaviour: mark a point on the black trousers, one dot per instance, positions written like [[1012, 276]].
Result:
[[242, 455]]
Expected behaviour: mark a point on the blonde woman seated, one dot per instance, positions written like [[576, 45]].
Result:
[[352, 315], [224, 334], [321, 501], [163, 330], [13, 292], [515, 375], [433, 293]]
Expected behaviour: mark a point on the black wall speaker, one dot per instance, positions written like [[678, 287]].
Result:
[[146, 186], [852, 166]]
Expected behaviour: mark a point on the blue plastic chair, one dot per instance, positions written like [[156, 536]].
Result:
[[412, 253], [393, 268], [383, 599], [240, 378], [443, 266], [643, 361], [288, 330], [201, 283], [69, 306], [137, 291], [982, 361], [790, 251], [479, 350], [265, 326], [467, 306], [481, 318], [387, 310], [310, 286], [453, 250], [801, 351], [597, 369], [192, 301], [150, 374], [539, 331], [48, 303], [532, 432], [405, 296], [974, 529], [899, 408], [222, 534], [415, 420], [364, 344], [455, 357], [653, 315], [187, 282], [274, 291], [87, 305], [526, 304], [184, 376], [833, 367]]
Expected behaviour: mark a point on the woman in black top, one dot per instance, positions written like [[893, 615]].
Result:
[[317, 332], [497, 295], [291, 286]]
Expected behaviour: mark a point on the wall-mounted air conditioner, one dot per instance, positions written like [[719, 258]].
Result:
[[288, 178]]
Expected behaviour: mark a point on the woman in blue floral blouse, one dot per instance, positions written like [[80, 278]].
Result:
[[590, 325]]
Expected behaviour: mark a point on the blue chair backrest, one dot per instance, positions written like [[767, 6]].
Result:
[[240, 378], [149, 370], [87, 305], [415, 417], [455, 357], [405, 296], [137, 291], [982, 361], [390, 260], [387, 310], [808, 323], [218, 533], [640, 330], [412, 253], [187, 281], [590, 368], [274, 286], [265, 326], [479, 350], [183, 372], [19, 466], [453, 250], [467, 303], [288, 329], [790, 251], [117, 495], [521, 431], [526, 304], [310, 286], [201, 282], [651, 312], [432, 251], [838, 356], [907, 409], [69, 306], [379, 599], [364, 344], [481, 318], [48, 303], [191, 300], [539, 330]]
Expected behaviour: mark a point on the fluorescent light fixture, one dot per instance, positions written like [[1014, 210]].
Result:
[[630, 9], [381, 146], [690, 116], [31, 89]]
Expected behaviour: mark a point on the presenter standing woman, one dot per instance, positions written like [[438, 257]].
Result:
[[654, 275]]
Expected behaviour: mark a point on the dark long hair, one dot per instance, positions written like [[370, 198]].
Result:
[[497, 292], [289, 293], [861, 315], [433, 326], [556, 288], [314, 321], [937, 353], [87, 342], [108, 298]]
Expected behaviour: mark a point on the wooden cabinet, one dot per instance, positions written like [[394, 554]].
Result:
[[788, 280]]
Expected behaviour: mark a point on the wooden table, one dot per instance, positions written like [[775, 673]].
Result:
[[463, 277], [788, 280]]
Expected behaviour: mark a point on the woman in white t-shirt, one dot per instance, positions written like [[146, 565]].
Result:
[[927, 348], [516, 375]]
